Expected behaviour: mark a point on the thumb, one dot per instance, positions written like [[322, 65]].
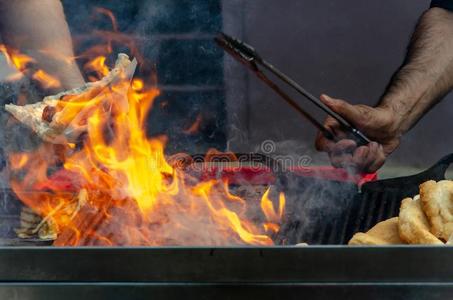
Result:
[[343, 108]]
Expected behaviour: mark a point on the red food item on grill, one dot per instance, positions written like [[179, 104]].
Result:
[[61, 181], [264, 175]]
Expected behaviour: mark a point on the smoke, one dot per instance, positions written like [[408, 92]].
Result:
[[317, 208], [181, 24], [13, 138]]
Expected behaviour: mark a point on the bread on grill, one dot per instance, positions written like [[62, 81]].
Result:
[[413, 224], [384, 233], [437, 202]]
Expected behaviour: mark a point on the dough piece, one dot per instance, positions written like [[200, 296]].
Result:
[[384, 233], [413, 224], [437, 202], [60, 131]]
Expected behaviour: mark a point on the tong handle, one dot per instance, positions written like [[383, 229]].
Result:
[[250, 57], [358, 137], [354, 133]]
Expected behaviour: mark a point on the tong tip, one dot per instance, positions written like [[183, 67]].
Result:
[[237, 48]]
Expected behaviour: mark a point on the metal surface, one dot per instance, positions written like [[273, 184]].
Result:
[[227, 273], [186, 291], [247, 55], [318, 211], [324, 264]]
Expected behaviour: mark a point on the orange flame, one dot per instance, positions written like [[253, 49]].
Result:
[[195, 126], [98, 65], [272, 216], [18, 160], [26, 65], [46, 80], [13, 57], [126, 193]]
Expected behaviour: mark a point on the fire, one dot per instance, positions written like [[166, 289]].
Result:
[[271, 215], [115, 186], [98, 65], [18, 160], [14, 57], [195, 126], [46, 80]]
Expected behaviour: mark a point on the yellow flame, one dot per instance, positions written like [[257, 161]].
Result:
[[132, 195], [46, 80], [273, 217]]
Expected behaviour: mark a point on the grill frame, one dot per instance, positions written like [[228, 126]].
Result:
[[282, 264], [323, 272]]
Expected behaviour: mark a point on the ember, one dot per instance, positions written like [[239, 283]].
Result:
[[120, 188]]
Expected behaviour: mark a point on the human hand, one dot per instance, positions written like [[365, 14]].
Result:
[[379, 124]]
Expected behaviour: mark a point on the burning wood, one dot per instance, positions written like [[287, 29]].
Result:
[[61, 119], [32, 225]]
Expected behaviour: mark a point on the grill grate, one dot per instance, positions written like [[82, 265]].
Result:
[[319, 212], [381, 200], [358, 211]]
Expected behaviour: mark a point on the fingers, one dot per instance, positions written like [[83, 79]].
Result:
[[378, 161], [341, 153], [324, 144], [369, 158], [346, 154], [350, 112]]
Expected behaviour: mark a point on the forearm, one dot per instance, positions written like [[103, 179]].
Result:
[[427, 74], [39, 29]]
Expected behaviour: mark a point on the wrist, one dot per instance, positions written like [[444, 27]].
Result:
[[395, 120]]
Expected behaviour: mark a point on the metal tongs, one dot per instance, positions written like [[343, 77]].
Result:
[[249, 57]]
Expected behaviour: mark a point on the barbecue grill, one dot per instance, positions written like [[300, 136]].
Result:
[[34, 271], [227, 273]]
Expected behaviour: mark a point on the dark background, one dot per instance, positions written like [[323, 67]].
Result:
[[348, 49]]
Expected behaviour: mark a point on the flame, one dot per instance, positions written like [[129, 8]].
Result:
[[15, 58], [195, 126], [272, 216], [27, 65], [114, 186], [18, 160], [46, 80], [98, 65]]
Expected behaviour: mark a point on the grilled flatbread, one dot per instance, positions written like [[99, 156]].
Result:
[[384, 233], [61, 130], [437, 202], [413, 224]]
